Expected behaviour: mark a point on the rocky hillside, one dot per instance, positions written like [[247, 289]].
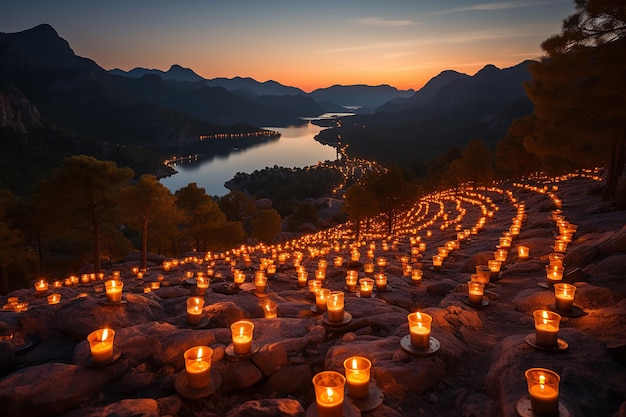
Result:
[[473, 366]]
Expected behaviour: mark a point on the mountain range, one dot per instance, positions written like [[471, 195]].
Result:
[[54, 103]]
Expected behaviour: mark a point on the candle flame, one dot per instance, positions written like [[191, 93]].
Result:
[[355, 364], [105, 334], [418, 315], [330, 393], [199, 355], [241, 331]]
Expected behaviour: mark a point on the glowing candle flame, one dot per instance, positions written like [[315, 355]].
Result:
[[105, 335]]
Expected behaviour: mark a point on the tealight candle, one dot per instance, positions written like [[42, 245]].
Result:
[[564, 296], [554, 274], [483, 273], [368, 268], [381, 282], [259, 283], [556, 259], [101, 345], [302, 278], [366, 286], [546, 328], [357, 371], [155, 285], [194, 309], [437, 262], [475, 290], [198, 366], [335, 306], [320, 299], [406, 270], [338, 261], [54, 298], [523, 252], [329, 393], [113, 289], [41, 287], [352, 278], [381, 262], [239, 278], [202, 284], [543, 389], [314, 285], [320, 274], [494, 267], [270, 310], [242, 332], [416, 276], [501, 255], [419, 329]]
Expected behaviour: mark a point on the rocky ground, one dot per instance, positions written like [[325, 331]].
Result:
[[476, 369]]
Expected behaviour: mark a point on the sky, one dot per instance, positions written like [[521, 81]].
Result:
[[300, 43]]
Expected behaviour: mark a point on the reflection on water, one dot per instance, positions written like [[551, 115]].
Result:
[[295, 148]]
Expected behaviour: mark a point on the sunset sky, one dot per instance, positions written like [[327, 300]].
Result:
[[306, 44]]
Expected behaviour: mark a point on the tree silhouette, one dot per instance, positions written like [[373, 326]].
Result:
[[511, 157], [202, 215], [474, 166], [579, 90], [360, 205], [265, 225], [81, 197], [148, 203]]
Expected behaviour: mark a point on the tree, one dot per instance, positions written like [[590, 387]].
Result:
[[579, 90], [511, 157], [474, 166], [81, 197], [360, 205], [202, 215], [393, 192], [266, 225], [148, 203]]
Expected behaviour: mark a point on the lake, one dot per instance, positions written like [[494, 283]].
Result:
[[296, 147]]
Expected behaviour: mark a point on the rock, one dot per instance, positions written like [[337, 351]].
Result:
[[224, 314], [238, 375], [290, 380], [278, 407], [270, 358], [141, 407], [441, 287]]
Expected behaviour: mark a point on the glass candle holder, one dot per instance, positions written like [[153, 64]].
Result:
[[41, 287], [242, 332], [260, 281], [270, 310], [320, 299], [554, 274], [419, 329], [357, 370], [315, 285], [352, 278], [437, 262], [335, 306], [194, 309], [543, 390], [101, 345], [54, 298], [523, 252], [329, 393], [483, 273], [366, 285], [368, 268], [546, 328], [303, 277], [381, 281], [494, 267], [320, 274], [113, 289], [564, 296], [338, 261], [202, 284], [416, 276], [198, 366], [501, 255], [476, 290], [556, 259], [406, 270]]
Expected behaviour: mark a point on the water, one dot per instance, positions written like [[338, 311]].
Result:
[[295, 148]]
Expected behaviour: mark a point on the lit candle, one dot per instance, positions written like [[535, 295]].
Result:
[[523, 252], [546, 328], [368, 268], [259, 283], [194, 310], [406, 270], [320, 274], [202, 283], [314, 285], [302, 278], [483, 273], [155, 285], [41, 287], [381, 281], [338, 261], [543, 389], [416, 276], [564, 296], [198, 366], [476, 290], [501, 255], [329, 392], [335, 306], [352, 278], [494, 267], [554, 274], [54, 298], [270, 310], [239, 278], [437, 262], [381, 262], [366, 285], [556, 259], [113, 288], [320, 299], [101, 345], [242, 336], [419, 329], [357, 371]]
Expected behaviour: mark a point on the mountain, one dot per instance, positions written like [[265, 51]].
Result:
[[175, 73], [450, 110], [359, 96], [251, 87]]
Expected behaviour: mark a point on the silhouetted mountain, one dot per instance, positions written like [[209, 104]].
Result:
[[175, 73], [364, 96], [249, 86], [451, 110]]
